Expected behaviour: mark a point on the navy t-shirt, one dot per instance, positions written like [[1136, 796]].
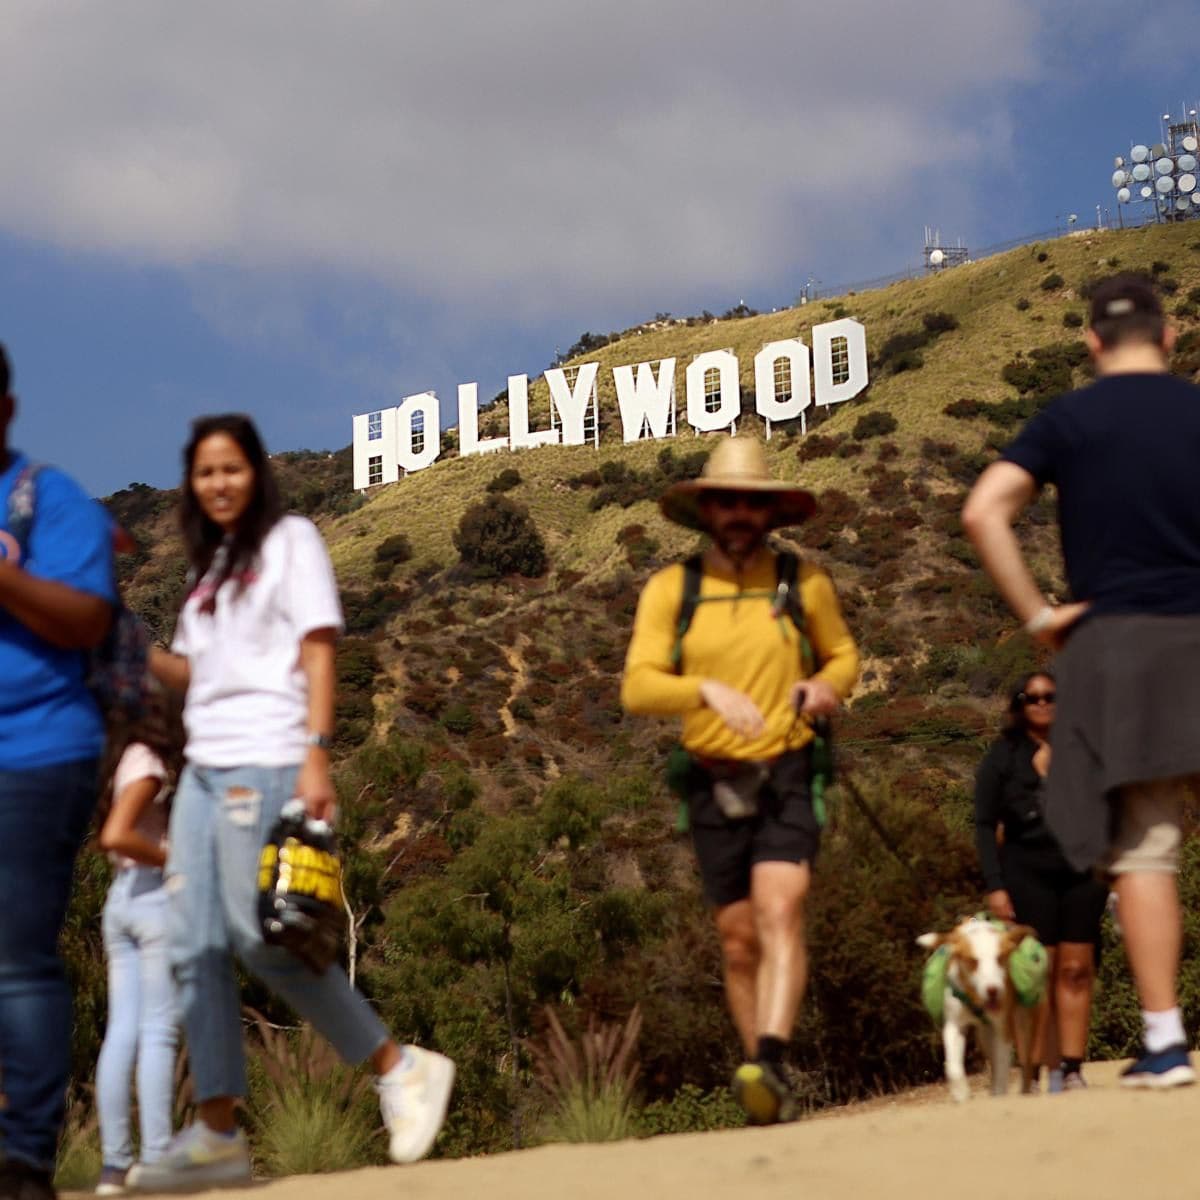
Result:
[[47, 714], [1124, 454]]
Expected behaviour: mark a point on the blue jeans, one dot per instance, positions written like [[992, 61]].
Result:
[[142, 1018], [219, 822], [44, 813]]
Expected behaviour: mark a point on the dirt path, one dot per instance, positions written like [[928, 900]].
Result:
[[1100, 1144]]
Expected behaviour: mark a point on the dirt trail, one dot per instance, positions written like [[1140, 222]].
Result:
[[1097, 1144]]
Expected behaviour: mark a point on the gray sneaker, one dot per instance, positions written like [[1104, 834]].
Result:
[[197, 1159]]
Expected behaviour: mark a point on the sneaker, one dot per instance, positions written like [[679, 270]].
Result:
[[21, 1181], [413, 1097], [1168, 1068], [112, 1181], [1073, 1081], [758, 1088], [197, 1159]]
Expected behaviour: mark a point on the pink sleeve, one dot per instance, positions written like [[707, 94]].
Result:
[[138, 762]]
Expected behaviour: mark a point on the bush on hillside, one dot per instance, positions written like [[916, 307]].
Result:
[[1023, 304], [1072, 320], [505, 481], [964, 408], [939, 322], [1052, 282], [500, 538], [394, 550], [874, 424]]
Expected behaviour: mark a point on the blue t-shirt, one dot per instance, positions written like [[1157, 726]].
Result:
[[47, 714], [1124, 454]]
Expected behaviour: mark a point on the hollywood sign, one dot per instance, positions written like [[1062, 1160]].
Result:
[[787, 381]]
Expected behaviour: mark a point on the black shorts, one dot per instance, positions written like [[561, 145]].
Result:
[[784, 829], [1063, 905]]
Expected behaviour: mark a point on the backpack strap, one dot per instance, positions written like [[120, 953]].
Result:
[[693, 569], [22, 500]]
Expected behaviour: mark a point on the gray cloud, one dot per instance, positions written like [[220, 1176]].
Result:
[[527, 153]]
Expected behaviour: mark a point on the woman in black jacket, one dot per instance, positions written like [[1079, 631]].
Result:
[[1028, 880]]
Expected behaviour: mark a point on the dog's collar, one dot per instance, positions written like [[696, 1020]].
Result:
[[968, 1002]]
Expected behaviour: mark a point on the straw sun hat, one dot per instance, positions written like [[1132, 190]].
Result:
[[738, 464]]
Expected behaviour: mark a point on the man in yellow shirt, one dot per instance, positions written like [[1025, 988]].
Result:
[[739, 678]]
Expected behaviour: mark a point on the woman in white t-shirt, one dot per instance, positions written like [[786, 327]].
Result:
[[143, 1015], [254, 650]]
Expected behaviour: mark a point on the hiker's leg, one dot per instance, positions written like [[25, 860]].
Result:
[[740, 957], [777, 893], [1145, 861], [1074, 974]]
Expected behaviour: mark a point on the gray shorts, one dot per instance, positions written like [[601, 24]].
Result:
[[1150, 824]]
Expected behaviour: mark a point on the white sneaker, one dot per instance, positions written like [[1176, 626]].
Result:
[[196, 1159], [412, 1097]]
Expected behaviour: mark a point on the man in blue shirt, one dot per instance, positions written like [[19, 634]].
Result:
[[57, 591], [1123, 455]]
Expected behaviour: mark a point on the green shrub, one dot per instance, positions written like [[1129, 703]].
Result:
[[691, 1110], [964, 408], [394, 550], [874, 424], [500, 538], [1072, 320], [1158, 267], [939, 322], [508, 479], [1022, 305], [1052, 282], [909, 360], [458, 718]]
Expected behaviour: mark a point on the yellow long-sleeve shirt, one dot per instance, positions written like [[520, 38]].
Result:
[[738, 641]]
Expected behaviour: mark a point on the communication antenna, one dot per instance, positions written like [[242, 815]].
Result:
[[1165, 174], [939, 257]]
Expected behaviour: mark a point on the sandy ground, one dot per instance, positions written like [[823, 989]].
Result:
[[1102, 1143]]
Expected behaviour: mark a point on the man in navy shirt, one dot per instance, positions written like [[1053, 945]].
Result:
[[57, 591], [1124, 455]]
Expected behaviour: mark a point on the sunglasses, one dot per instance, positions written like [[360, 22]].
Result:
[[731, 500], [1038, 697]]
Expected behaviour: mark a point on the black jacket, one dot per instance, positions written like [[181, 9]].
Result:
[[1008, 792]]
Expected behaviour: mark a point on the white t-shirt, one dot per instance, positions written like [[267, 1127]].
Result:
[[138, 761], [247, 702]]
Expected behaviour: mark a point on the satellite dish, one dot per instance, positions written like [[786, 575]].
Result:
[[1118, 179], [1072, 218], [1139, 154], [1187, 183], [1123, 195], [1164, 166], [1190, 144], [1157, 150], [1141, 172], [1164, 184], [936, 258], [1182, 204], [1118, 161], [1196, 199], [1147, 191], [1186, 162]]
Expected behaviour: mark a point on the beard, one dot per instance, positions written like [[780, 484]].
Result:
[[739, 540]]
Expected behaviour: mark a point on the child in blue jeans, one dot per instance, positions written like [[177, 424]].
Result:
[[143, 1014]]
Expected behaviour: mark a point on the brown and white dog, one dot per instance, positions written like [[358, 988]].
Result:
[[979, 994]]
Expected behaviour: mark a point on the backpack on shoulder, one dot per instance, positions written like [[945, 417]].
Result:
[[786, 605], [117, 667]]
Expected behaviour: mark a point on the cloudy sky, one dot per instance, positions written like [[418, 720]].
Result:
[[310, 208]]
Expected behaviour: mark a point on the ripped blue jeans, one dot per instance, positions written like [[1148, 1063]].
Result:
[[219, 822]]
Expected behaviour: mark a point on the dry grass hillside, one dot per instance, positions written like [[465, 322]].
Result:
[[484, 753]]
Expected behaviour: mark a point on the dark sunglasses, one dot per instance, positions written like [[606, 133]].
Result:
[[1038, 697], [730, 500]]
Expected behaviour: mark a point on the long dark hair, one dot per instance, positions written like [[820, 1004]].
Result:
[[160, 727], [203, 537], [1015, 723]]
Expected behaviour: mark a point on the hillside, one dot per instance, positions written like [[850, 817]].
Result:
[[509, 835]]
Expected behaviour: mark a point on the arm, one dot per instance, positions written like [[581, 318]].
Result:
[[58, 613], [317, 653], [989, 787], [651, 686], [118, 834], [173, 671], [833, 645], [995, 502]]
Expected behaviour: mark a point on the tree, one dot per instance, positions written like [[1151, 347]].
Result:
[[500, 538]]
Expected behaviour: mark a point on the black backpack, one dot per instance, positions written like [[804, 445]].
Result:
[[117, 667], [786, 602]]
